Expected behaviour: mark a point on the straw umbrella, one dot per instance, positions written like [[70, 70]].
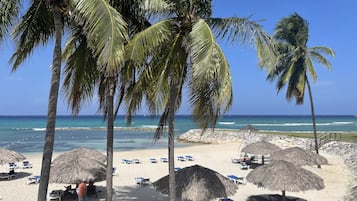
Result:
[[10, 156], [285, 176], [198, 183], [299, 156], [84, 152], [261, 148], [78, 165], [249, 128]]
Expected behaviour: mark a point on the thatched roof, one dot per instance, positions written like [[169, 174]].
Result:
[[260, 148], [83, 152], [299, 156], [249, 128], [198, 183], [78, 165], [285, 176], [10, 156]]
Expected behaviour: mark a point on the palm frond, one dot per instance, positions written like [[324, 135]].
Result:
[[316, 56], [9, 11], [245, 31], [211, 90], [310, 68], [80, 73], [157, 8], [147, 41], [106, 32], [35, 28]]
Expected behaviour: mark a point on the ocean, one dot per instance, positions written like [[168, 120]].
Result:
[[26, 133]]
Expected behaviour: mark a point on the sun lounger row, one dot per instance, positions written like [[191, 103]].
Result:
[[133, 161], [185, 158]]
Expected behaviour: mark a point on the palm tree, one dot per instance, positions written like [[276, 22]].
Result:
[[46, 18], [82, 77], [295, 61], [180, 51]]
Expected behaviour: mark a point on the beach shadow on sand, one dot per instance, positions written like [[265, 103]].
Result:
[[272, 197], [140, 193]]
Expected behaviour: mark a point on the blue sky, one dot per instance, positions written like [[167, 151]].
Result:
[[332, 24]]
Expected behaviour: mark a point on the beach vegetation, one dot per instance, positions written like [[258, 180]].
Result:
[[47, 19], [179, 51], [294, 65]]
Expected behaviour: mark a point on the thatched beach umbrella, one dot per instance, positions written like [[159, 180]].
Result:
[[261, 148], [285, 176], [198, 183], [249, 128], [76, 166], [84, 152], [299, 156], [10, 156]]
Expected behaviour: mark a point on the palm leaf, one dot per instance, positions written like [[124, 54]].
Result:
[[80, 72], [9, 10], [245, 31], [210, 82], [316, 56], [35, 28], [147, 41], [106, 32]]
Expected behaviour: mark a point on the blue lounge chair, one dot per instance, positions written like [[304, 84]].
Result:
[[189, 158], [126, 161], [236, 179], [177, 169], [153, 160], [165, 160], [181, 158], [142, 181]]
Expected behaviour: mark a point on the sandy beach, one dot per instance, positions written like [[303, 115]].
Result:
[[337, 177]]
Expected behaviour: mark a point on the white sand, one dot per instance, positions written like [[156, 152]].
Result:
[[336, 176]]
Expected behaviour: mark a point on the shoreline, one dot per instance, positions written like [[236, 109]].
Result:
[[214, 156]]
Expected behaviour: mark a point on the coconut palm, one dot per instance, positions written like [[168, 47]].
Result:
[[82, 77], [47, 18], [181, 50], [295, 61]]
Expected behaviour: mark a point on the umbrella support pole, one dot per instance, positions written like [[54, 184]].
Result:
[[284, 199]]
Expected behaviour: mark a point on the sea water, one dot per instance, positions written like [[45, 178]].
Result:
[[26, 133]]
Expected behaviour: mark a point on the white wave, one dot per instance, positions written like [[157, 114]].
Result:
[[39, 129], [227, 122]]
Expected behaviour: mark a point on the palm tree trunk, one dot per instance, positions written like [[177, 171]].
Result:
[[110, 140], [52, 109], [313, 116], [171, 146]]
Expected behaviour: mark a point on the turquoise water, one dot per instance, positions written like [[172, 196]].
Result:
[[26, 133]]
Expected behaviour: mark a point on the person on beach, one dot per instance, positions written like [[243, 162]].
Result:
[[82, 191]]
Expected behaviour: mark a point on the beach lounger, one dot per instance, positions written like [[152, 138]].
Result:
[[235, 160], [189, 158], [126, 161], [236, 179], [181, 158], [136, 161], [142, 181], [26, 164], [153, 160], [4, 176], [177, 169], [55, 195], [33, 180], [244, 166], [225, 199], [165, 160]]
